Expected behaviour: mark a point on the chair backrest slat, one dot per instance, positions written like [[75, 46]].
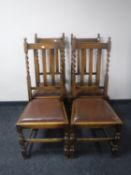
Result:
[[36, 65], [83, 64], [44, 66], [78, 60], [57, 61], [98, 66], [90, 66], [52, 70]]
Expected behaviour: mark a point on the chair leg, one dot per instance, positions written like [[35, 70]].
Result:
[[115, 144], [22, 141], [72, 142], [66, 143]]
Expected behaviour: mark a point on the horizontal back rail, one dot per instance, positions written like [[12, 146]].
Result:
[[47, 45], [90, 45]]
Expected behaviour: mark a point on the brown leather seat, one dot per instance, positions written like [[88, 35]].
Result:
[[102, 113], [43, 110]]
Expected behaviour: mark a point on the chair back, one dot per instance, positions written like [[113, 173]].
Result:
[[90, 66], [48, 70]]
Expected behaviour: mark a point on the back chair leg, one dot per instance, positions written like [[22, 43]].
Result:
[[22, 141], [72, 142]]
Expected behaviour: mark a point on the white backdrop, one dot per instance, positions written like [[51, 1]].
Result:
[[84, 18]]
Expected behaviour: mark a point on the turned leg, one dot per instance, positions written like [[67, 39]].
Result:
[[66, 142], [22, 141], [115, 144], [29, 146], [72, 142]]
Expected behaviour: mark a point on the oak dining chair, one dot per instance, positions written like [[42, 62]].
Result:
[[89, 83], [45, 110]]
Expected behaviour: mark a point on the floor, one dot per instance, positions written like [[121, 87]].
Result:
[[91, 159]]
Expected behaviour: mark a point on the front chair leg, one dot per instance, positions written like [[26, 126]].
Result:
[[72, 142], [115, 144], [22, 141], [66, 142]]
